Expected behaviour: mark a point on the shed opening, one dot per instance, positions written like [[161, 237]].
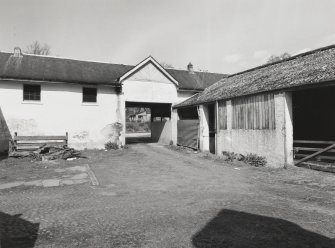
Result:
[[313, 123]]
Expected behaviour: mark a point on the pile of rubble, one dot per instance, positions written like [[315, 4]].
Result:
[[46, 152]]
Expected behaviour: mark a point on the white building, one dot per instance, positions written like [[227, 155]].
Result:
[[42, 95]]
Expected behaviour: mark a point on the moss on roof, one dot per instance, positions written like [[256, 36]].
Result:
[[314, 67]]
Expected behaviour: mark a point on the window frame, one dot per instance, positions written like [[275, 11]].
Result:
[[24, 93], [83, 95]]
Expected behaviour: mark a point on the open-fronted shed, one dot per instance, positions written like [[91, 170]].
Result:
[[272, 109]]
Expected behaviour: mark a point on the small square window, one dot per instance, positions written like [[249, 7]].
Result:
[[31, 92], [89, 94]]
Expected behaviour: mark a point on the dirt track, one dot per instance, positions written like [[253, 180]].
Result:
[[150, 196]]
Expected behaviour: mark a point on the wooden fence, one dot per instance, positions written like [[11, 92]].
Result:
[[222, 115], [314, 150], [254, 112]]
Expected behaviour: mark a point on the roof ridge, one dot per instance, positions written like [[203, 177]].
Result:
[[283, 60], [174, 69]]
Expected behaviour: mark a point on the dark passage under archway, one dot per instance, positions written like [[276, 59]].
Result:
[[152, 126]]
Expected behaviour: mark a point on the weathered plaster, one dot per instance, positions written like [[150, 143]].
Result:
[[60, 110], [276, 145], [149, 85]]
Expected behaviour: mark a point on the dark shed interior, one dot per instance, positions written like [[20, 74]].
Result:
[[314, 115]]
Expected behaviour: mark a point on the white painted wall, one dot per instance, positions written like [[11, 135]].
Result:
[[204, 128], [61, 110], [149, 85], [276, 145], [183, 95], [89, 125], [161, 132]]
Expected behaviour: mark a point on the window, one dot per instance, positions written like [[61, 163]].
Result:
[[89, 94], [31, 92]]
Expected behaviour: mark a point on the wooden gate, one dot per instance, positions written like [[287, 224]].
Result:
[[188, 133]]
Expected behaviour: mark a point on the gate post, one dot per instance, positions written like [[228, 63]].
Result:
[[204, 128], [174, 126]]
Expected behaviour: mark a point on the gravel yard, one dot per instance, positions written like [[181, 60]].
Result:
[[150, 196]]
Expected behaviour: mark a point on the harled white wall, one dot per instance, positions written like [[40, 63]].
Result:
[[276, 145], [60, 110], [149, 85]]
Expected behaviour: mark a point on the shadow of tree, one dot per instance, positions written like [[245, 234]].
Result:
[[239, 229], [16, 232], [137, 140]]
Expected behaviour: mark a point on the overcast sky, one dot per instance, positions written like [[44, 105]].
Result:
[[216, 35]]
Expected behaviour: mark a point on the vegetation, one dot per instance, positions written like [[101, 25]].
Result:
[[39, 49], [250, 158], [255, 160], [138, 127], [111, 146], [275, 58]]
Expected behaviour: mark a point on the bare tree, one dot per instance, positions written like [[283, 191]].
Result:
[[166, 65], [38, 48], [275, 58]]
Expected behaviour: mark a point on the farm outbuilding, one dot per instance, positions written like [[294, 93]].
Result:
[[282, 110], [44, 95]]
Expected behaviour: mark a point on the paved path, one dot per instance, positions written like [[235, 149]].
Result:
[[150, 196], [84, 175]]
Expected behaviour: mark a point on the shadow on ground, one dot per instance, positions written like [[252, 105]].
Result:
[[16, 232], [3, 156], [137, 140], [239, 229]]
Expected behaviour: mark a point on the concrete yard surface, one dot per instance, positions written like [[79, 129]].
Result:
[[150, 196]]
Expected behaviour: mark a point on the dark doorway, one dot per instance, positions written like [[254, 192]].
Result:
[[313, 123], [313, 114], [211, 127], [147, 122]]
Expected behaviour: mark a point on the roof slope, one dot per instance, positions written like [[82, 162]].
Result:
[[33, 67], [46, 68], [309, 68], [196, 80]]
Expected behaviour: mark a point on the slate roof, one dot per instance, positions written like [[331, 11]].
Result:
[[46, 68], [310, 68], [196, 80]]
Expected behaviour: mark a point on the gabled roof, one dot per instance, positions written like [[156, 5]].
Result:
[[144, 63], [47, 68], [312, 68]]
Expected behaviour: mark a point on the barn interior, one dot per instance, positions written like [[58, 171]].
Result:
[[314, 122]]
